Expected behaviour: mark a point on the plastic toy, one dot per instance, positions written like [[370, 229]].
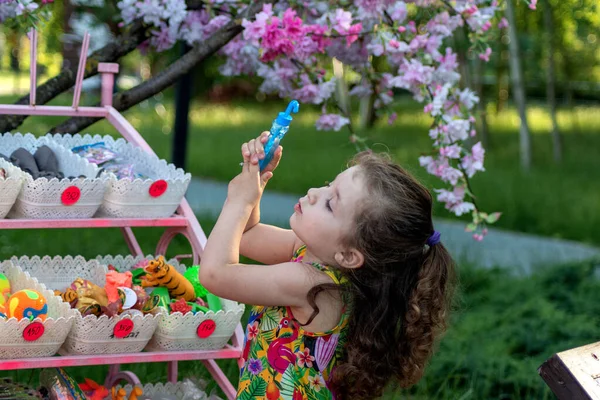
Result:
[[27, 303], [192, 274], [159, 273], [4, 289], [279, 128], [93, 390]]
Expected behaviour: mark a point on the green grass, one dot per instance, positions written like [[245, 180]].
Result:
[[554, 200]]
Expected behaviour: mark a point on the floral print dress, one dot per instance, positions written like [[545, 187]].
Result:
[[281, 360]]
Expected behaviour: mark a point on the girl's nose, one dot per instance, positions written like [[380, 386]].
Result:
[[312, 196]]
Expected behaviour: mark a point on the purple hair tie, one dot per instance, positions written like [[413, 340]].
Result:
[[434, 238]]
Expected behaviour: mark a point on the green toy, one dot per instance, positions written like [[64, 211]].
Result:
[[192, 274], [163, 294], [214, 303]]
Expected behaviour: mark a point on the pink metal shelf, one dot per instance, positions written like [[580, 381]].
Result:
[[184, 223], [127, 358], [175, 221]]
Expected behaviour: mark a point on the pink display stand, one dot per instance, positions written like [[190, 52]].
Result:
[[184, 222]]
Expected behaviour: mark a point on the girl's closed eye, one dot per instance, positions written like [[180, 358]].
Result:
[[328, 204]]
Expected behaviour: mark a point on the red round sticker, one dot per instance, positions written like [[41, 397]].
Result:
[[123, 328], [206, 328], [33, 331], [158, 188], [70, 196]]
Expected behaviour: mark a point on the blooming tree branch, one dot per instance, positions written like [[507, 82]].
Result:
[[290, 46]]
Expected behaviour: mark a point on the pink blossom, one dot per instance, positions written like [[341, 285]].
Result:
[[331, 122], [342, 20], [474, 162], [353, 33], [533, 4], [486, 56], [392, 118], [503, 23], [452, 151]]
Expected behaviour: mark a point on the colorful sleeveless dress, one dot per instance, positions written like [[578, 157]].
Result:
[[281, 360]]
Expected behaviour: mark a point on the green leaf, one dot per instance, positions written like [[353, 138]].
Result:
[[257, 388], [287, 383], [493, 217], [270, 320], [471, 227]]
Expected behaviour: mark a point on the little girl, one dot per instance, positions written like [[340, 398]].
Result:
[[353, 296]]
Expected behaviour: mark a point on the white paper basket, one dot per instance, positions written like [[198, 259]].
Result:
[[57, 325], [42, 198], [126, 198]]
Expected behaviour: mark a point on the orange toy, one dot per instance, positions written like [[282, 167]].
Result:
[[114, 280], [27, 303], [159, 273]]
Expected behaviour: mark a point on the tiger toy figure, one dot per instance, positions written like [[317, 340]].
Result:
[[159, 273]]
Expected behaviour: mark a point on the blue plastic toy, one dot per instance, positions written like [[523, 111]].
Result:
[[280, 126]]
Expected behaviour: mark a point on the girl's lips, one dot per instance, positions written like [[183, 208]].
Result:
[[298, 208]]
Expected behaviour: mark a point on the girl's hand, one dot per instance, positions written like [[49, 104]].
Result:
[[248, 186], [253, 151]]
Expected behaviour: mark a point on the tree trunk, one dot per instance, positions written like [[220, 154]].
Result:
[[551, 80], [481, 106], [517, 88]]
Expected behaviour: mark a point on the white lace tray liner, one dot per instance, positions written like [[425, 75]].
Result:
[[10, 187], [178, 332], [56, 326], [90, 334], [169, 391], [126, 198], [44, 198]]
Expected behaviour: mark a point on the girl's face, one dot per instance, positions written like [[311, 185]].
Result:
[[326, 214]]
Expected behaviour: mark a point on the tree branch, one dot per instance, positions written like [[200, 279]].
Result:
[[201, 51], [123, 45]]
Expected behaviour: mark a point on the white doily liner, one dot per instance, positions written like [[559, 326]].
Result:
[[127, 198], [178, 332], [41, 198], [158, 391], [56, 326], [57, 273], [10, 187]]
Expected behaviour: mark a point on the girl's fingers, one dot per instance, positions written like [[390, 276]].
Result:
[[264, 137], [252, 148], [246, 152], [260, 150]]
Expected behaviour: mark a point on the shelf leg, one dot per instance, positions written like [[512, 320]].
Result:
[[172, 371], [131, 241], [220, 378], [169, 235]]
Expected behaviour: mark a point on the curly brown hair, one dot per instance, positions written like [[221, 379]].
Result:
[[400, 297]]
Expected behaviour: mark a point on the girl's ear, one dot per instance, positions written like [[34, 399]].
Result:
[[351, 258]]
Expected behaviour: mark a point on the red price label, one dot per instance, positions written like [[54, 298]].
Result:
[[123, 328], [206, 328], [33, 331], [158, 188], [70, 196]]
